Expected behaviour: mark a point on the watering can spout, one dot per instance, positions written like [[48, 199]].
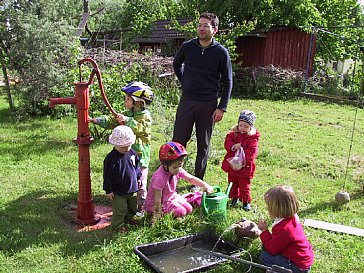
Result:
[[229, 188]]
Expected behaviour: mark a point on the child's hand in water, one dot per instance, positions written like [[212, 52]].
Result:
[[262, 225]]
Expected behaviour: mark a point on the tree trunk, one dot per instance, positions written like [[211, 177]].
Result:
[[86, 7], [6, 80]]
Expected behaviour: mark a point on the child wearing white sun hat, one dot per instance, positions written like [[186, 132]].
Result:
[[121, 175]]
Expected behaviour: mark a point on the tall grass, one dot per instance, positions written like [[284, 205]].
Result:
[[303, 144]]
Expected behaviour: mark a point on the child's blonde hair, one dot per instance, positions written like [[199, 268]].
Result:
[[281, 201], [236, 130]]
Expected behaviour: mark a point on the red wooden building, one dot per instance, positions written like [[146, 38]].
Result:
[[280, 47]]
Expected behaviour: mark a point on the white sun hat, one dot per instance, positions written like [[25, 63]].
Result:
[[122, 135]]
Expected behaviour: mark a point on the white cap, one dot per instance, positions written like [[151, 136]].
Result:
[[122, 135]]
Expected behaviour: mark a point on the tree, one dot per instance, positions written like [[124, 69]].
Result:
[[6, 79], [344, 19], [237, 17], [38, 45]]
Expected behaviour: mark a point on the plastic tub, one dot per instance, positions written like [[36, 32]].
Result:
[[183, 255]]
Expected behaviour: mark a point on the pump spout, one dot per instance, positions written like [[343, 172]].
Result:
[[54, 101]]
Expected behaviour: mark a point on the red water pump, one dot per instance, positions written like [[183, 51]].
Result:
[[85, 205]]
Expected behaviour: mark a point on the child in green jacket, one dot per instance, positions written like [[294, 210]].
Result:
[[138, 118]]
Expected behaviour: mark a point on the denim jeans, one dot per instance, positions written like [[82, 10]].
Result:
[[269, 260]]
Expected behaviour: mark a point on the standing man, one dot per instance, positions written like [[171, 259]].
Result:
[[203, 67]]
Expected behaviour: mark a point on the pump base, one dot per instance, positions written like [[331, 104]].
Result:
[[102, 219]]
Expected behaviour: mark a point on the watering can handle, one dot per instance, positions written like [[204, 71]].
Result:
[[203, 199], [99, 79], [203, 203], [217, 188]]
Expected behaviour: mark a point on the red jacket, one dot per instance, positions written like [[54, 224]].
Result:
[[288, 239], [250, 146]]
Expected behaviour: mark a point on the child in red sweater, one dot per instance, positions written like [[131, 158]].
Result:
[[287, 245]]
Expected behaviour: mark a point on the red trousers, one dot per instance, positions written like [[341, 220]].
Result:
[[240, 188]]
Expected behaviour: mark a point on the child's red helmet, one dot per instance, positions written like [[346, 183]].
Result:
[[171, 151]]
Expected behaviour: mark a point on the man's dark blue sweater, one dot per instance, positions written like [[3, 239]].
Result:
[[204, 71]]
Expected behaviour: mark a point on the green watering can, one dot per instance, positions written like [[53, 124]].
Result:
[[214, 205]]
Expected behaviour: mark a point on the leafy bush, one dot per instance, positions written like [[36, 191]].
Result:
[[119, 68]]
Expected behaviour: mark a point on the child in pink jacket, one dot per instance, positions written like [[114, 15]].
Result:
[[242, 136], [162, 196]]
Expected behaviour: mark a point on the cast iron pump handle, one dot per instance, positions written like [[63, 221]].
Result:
[[96, 71]]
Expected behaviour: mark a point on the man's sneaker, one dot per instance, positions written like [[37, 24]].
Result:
[[195, 189], [246, 207], [234, 202]]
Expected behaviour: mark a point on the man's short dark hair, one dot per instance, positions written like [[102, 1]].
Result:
[[213, 17]]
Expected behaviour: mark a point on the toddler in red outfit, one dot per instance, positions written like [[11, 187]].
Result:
[[242, 138]]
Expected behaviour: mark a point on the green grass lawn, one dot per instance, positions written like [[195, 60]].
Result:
[[303, 144]]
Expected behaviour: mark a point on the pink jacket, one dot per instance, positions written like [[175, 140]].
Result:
[[250, 146]]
